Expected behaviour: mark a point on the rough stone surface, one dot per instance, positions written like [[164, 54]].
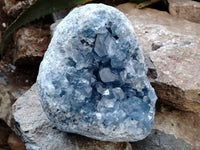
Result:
[[9, 92], [174, 51], [15, 143], [38, 133], [159, 140], [14, 7], [31, 43], [5, 105], [187, 9], [4, 133], [172, 130], [180, 124], [92, 80]]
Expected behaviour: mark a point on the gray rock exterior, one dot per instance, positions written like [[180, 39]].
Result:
[[92, 80], [38, 133], [159, 140]]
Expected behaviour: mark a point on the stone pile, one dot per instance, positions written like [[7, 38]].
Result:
[[171, 46]]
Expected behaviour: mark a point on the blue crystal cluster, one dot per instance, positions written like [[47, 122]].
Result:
[[92, 80]]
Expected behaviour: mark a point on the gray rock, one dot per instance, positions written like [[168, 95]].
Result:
[[38, 133], [5, 105], [92, 80], [3, 78], [182, 125], [159, 140]]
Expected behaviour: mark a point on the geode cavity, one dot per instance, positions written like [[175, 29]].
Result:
[[92, 80]]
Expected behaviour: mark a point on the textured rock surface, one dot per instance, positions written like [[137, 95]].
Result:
[[180, 124], [14, 7], [5, 105], [15, 143], [174, 51], [92, 80], [38, 133], [172, 130], [187, 9], [9, 92], [4, 134], [31, 43], [159, 140]]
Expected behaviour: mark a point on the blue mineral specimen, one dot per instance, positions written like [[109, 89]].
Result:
[[92, 80]]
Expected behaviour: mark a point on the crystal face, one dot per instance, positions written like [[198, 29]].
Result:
[[92, 80]]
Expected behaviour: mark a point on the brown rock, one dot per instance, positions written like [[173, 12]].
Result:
[[4, 133], [183, 125], [5, 105], [178, 82], [172, 130], [31, 123], [187, 9], [15, 143], [14, 7], [31, 43], [173, 47]]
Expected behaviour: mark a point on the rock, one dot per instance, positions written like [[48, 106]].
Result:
[[31, 43], [3, 77], [187, 9], [54, 25], [90, 63], [159, 140], [9, 90], [5, 105], [173, 59], [173, 130], [4, 133], [31, 123], [15, 143], [14, 7]]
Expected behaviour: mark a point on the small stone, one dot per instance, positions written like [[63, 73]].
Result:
[[31, 43], [92, 80], [5, 105]]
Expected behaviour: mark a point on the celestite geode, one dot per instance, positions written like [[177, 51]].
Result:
[[92, 80]]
